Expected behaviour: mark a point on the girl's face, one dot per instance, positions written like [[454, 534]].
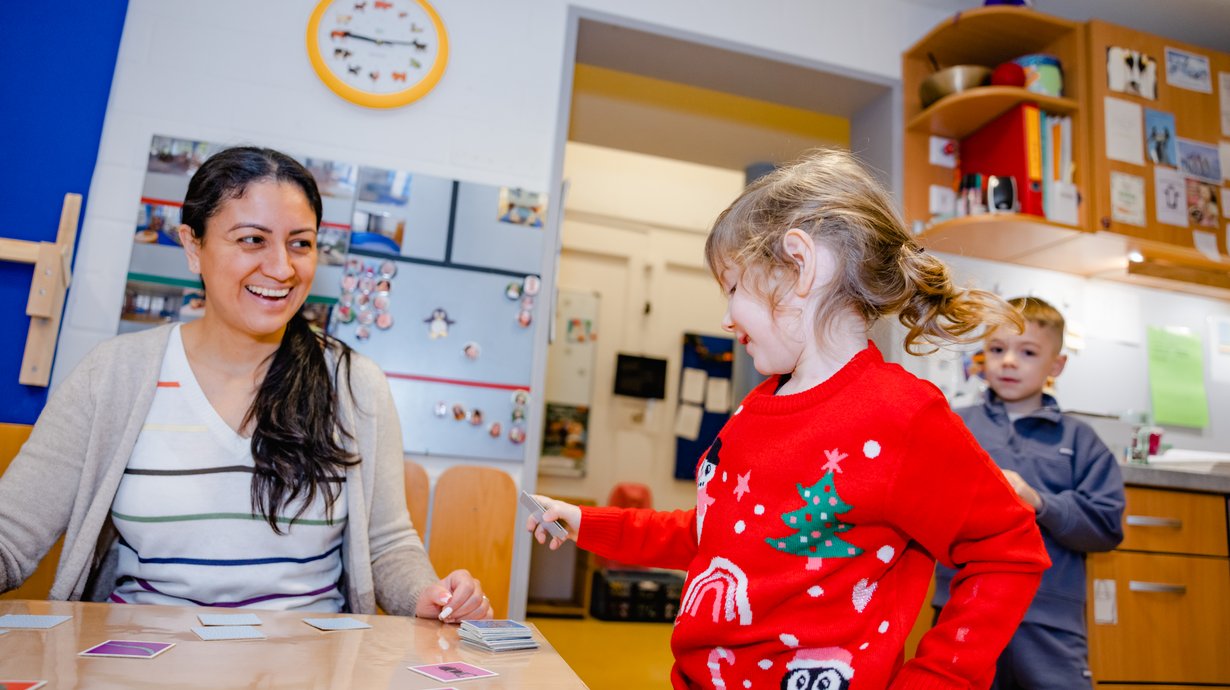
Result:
[[257, 259], [772, 337]]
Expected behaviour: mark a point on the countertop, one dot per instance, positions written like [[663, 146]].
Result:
[[1216, 481]]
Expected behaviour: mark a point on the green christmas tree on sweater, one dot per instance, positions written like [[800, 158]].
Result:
[[816, 525]]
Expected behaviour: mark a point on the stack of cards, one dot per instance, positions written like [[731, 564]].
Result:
[[497, 635]]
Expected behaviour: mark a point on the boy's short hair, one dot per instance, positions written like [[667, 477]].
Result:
[[1040, 312]]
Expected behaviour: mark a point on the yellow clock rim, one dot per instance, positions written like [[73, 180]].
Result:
[[366, 98]]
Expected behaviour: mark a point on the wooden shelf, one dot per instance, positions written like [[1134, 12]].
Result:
[[1032, 241], [991, 35], [961, 114], [998, 237]]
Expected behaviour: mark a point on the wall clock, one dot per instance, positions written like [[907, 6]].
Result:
[[377, 53]]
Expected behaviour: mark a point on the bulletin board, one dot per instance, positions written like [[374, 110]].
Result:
[[704, 404], [1161, 149], [437, 280], [570, 384]]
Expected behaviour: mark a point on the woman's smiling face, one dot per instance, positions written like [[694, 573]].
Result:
[[257, 259]]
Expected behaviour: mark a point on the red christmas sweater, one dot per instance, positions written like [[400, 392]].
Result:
[[818, 520]]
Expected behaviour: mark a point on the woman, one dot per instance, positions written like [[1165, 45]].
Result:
[[236, 460]]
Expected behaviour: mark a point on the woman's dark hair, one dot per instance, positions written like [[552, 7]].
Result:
[[296, 434]]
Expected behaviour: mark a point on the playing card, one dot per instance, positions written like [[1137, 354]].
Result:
[[453, 670], [336, 623], [128, 648], [554, 527], [29, 622], [229, 619], [21, 684], [229, 632], [498, 624]]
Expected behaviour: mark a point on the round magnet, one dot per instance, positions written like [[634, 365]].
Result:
[[520, 397], [388, 269], [516, 434], [367, 284], [384, 285], [512, 291], [471, 351], [362, 332], [495, 429], [527, 303], [532, 285], [380, 301], [346, 298], [518, 414], [476, 417], [459, 411], [384, 321], [353, 266], [350, 282], [525, 318], [441, 409], [345, 314], [367, 317]]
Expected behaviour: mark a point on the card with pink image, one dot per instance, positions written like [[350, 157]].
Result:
[[453, 671], [128, 648]]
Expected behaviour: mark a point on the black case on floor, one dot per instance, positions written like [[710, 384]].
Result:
[[636, 595]]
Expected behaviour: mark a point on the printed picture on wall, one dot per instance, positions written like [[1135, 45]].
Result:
[[1127, 198], [1160, 141], [335, 180], [567, 427], [384, 186], [157, 223], [1200, 160], [177, 156], [148, 304], [332, 243], [1131, 72], [1188, 70], [522, 207], [1202, 204], [1170, 196]]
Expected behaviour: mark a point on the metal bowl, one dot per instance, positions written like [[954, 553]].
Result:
[[952, 80]]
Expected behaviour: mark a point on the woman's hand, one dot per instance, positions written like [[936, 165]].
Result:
[[566, 513], [455, 598]]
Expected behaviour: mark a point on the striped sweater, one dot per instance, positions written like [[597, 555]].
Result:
[[188, 535]]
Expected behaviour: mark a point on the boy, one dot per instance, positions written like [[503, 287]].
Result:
[[1059, 466]]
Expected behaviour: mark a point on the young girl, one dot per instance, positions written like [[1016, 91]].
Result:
[[826, 499]]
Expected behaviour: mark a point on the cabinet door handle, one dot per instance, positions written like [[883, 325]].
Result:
[[1158, 587], [1148, 521]]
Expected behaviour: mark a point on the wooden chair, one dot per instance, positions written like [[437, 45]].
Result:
[[38, 585], [418, 496], [473, 522]]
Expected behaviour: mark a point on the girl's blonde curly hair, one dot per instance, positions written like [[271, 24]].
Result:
[[881, 270]]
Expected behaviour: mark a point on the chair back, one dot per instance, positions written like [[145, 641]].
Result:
[[418, 496], [473, 523], [38, 585]]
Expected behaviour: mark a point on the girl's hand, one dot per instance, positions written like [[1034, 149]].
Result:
[[457, 597], [566, 513]]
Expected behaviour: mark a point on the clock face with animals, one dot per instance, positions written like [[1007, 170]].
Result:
[[377, 53]]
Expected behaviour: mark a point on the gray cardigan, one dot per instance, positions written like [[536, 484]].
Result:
[[66, 476]]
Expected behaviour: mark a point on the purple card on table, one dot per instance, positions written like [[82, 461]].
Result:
[[128, 648], [453, 670]]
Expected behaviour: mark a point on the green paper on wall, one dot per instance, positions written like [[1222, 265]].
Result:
[[1176, 378]]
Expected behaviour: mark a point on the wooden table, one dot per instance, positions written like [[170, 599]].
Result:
[[296, 655]]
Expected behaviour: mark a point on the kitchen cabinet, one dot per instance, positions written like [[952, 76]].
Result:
[[1159, 605], [1099, 245]]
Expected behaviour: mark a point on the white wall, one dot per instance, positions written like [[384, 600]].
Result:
[[635, 233], [236, 71]]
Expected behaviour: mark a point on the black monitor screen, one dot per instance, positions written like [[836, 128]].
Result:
[[640, 377]]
